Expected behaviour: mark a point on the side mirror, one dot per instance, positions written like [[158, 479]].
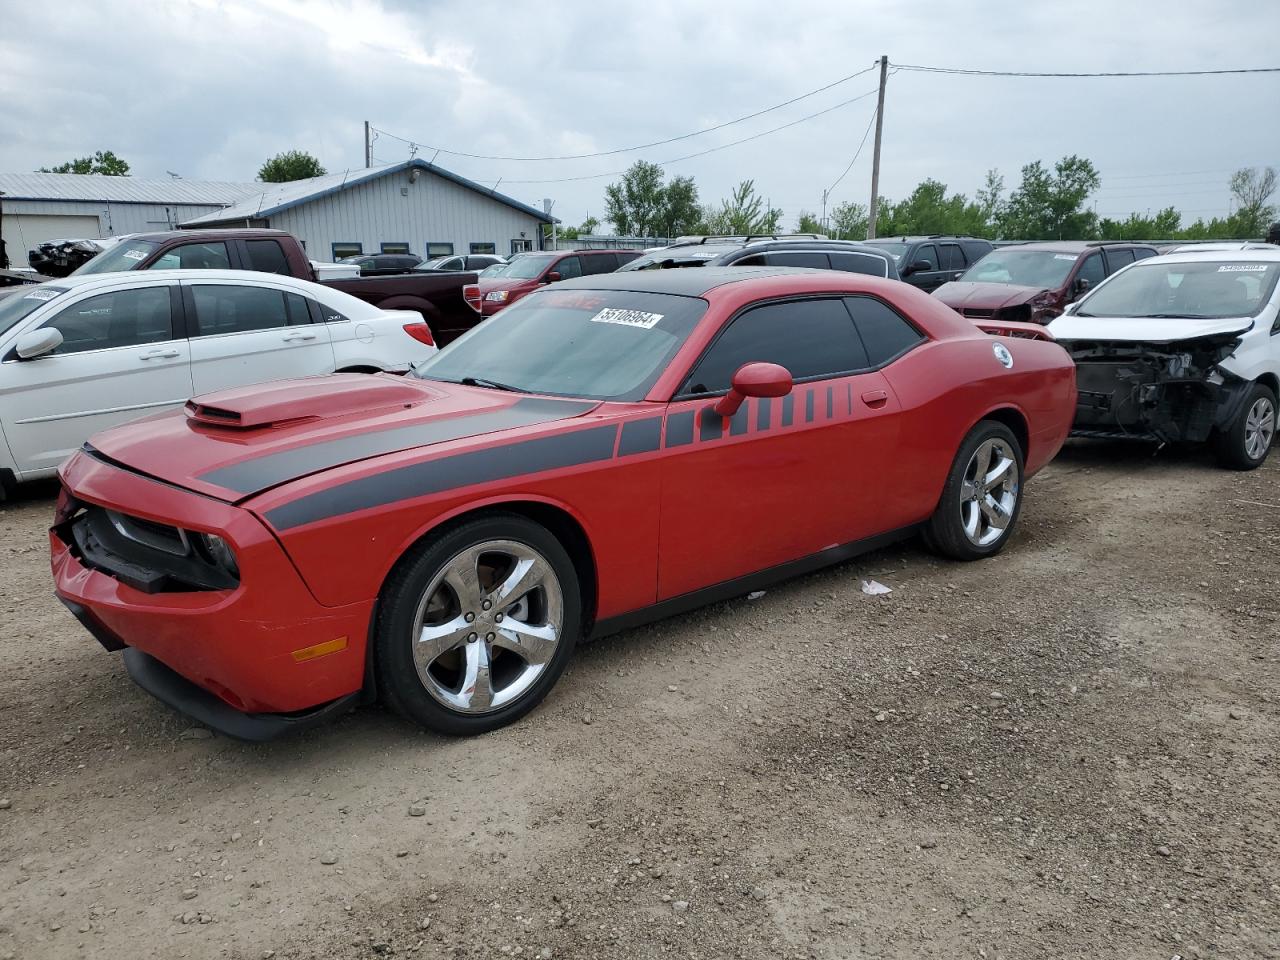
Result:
[[754, 380], [36, 343], [917, 267], [551, 277], [1081, 285]]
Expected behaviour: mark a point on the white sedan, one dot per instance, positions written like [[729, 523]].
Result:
[[85, 353], [1184, 347]]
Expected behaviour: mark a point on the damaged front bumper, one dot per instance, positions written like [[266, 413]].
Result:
[[1162, 392]]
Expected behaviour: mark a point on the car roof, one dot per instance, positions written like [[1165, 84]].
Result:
[[1218, 256], [241, 233], [684, 283], [1074, 246], [126, 277]]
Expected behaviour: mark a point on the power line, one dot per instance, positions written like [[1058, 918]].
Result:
[[861, 143], [1130, 73], [642, 146]]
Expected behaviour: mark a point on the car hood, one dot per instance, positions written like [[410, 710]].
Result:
[[1144, 329], [984, 296], [237, 443], [504, 283]]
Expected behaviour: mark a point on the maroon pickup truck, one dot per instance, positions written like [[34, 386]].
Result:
[[437, 295]]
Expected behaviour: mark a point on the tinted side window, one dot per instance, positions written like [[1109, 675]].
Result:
[[599, 263], [952, 257], [927, 252], [811, 338], [885, 334], [121, 319], [1141, 253], [194, 256], [299, 312], [1092, 270], [859, 263], [235, 309], [787, 258], [1119, 258], [267, 256], [568, 267]]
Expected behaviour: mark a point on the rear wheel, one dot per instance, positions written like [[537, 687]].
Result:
[[982, 497], [1245, 444], [477, 625]]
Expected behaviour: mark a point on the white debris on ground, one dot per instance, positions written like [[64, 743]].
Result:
[[874, 588]]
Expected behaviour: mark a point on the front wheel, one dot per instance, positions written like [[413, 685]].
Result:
[[1244, 445], [982, 497], [477, 625]]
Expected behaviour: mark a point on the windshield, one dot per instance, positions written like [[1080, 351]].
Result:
[[691, 256], [598, 344], [524, 268], [17, 307], [496, 270], [126, 255], [895, 250], [1023, 268], [1200, 290]]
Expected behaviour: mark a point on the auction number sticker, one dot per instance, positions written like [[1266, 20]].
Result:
[[134, 254], [627, 318], [42, 294], [1064, 256], [1243, 268]]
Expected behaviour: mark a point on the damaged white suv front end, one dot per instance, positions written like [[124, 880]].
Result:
[[1181, 348]]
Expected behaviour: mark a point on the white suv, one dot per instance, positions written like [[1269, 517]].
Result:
[[85, 353], [1183, 347]]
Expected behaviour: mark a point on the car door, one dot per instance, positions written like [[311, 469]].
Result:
[[201, 255], [245, 332], [930, 276], [785, 477], [950, 263], [1089, 273], [123, 356], [567, 267]]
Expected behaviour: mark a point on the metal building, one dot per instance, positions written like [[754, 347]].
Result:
[[412, 206], [408, 207]]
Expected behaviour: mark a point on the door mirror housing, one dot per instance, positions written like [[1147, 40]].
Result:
[[1080, 286], [918, 266], [551, 277], [37, 343], [754, 380]]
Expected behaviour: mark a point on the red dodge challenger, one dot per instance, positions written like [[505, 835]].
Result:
[[608, 451]]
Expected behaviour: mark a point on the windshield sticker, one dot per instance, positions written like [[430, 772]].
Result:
[[42, 294], [1243, 268], [134, 254], [628, 318], [1064, 256]]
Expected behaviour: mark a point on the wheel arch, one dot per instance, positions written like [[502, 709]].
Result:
[[1015, 420], [1272, 381]]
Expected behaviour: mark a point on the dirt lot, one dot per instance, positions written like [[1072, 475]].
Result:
[[1068, 751]]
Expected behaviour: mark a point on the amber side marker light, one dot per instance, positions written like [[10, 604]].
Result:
[[320, 650]]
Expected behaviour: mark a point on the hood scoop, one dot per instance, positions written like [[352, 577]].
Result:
[[339, 395]]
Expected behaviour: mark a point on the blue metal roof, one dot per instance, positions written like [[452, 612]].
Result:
[[271, 198], [96, 188]]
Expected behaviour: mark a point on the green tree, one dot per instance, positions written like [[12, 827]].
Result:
[[681, 212], [1050, 206], [743, 214], [290, 165], [990, 201], [1165, 225], [849, 221], [930, 210], [103, 162], [808, 223], [640, 204], [589, 226], [1252, 189]]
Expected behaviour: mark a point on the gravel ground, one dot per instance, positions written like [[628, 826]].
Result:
[[1067, 751]]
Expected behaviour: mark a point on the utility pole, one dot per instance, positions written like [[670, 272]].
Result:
[[368, 147], [824, 212], [875, 160]]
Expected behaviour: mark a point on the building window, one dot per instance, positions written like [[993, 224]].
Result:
[[402, 248], [439, 250], [484, 248], [521, 246], [341, 250]]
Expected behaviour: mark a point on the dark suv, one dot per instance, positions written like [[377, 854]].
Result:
[[815, 252], [383, 264], [1034, 282], [929, 262]]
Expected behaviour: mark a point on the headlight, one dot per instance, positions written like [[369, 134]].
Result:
[[497, 296], [219, 552]]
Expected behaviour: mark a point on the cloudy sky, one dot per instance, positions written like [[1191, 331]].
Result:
[[210, 88]]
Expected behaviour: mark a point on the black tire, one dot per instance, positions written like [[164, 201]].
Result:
[[1233, 443], [400, 685], [945, 531]]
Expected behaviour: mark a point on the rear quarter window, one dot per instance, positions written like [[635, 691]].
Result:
[[885, 333]]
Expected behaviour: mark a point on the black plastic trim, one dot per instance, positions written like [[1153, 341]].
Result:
[[98, 630]]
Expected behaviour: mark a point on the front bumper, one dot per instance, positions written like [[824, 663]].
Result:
[[236, 651]]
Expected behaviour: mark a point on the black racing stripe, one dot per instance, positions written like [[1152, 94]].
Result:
[[764, 413], [259, 473], [808, 407], [711, 424], [831, 402], [680, 428], [738, 422], [447, 473], [788, 408], [640, 436]]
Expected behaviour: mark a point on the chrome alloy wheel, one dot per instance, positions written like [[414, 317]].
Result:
[[1259, 428], [487, 626], [989, 492]]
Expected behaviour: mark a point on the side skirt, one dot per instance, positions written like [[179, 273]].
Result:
[[752, 581]]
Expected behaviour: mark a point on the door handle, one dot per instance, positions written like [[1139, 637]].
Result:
[[299, 336], [159, 355], [875, 398]]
